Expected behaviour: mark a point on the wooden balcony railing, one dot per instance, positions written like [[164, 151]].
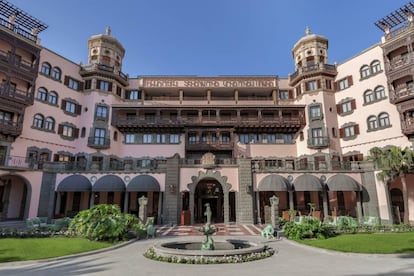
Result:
[[311, 69], [10, 128], [318, 142], [25, 97]]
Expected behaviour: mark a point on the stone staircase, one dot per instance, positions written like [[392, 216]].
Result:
[[13, 224]]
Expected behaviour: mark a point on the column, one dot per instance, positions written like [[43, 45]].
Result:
[[91, 199], [325, 205], [226, 207], [58, 200], [208, 96], [192, 207], [236, 96], [126, 202], [359, 206], [181, 95]]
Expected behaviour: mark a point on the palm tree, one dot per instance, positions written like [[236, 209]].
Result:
[[394, 162]]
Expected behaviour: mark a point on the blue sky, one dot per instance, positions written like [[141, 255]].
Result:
[[209, 38]]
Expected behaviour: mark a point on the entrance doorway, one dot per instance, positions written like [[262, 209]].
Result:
[[211, 192]]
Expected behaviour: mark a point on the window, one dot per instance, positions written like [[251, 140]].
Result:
[[50, 123], [343, 84], [42, 94], [70, 107], [5, 116], [101, 112], [147, 138], [161, 138], [192, 138], [364, 71], [68, 131], [129, 138], [379, 93], [271, 138], [145, 163], [45, 68], [315, 111], [56, 73], [375, 66], [88, 84], [244, 138], [99, 137], [372, 122], [317, 136], [311, 85], [346, 107], [38, 120], [73, 84], [52, 98], [104, 85], [133, 95], [349, 131], [384, 120], [225, 138], [287, 138], [369, 96], [283, 94], [174, 138]]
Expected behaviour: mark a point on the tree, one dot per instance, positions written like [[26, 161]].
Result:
[[394, 162]]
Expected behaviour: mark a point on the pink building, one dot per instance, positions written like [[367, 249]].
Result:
[[76, 135]]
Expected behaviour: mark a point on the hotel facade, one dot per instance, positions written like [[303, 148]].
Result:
[[76, 135]]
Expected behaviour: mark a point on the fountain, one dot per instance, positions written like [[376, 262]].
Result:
[[184, 250]]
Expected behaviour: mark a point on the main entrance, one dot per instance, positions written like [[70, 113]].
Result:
[[211, 192]]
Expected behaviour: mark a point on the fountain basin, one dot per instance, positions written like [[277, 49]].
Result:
[[223, 248]]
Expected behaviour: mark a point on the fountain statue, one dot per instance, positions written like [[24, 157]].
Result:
[[207, 230]]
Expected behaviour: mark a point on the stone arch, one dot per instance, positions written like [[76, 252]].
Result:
[[7, 178], [222, 180]]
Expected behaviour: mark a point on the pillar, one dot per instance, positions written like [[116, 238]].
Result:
[[126, 202]]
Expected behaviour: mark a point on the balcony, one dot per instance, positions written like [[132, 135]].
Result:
[[92, 69], [99, 142], [217, 161], [25, 97], [308, 71], [402, 93], [407, 126], [318, 142], [17, 163], [208, 146], [266, 166], [10, 128]]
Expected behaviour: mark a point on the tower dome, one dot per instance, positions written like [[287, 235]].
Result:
[[106, 50]]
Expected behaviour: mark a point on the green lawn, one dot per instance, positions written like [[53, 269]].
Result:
[[368, 243], [41, 248]]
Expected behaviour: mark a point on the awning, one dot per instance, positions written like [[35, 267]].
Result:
[[143, 183], [307, 182], [74, 183], [274, 182], [342, 182], [109, 183]]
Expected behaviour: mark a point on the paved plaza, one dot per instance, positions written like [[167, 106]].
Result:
[[290, 259]]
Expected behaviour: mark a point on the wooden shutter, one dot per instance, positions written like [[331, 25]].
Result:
[[127, 93], [60, 129], [353, 104], [66, 81], [341, 133], [356, 129], [98, 84], [75, 132], [290, 94], [81, 85], [63, 105], [336, 86], [339, 108], [110, 87], [118, 91], [350, 81], [318, 84], [78, 109]]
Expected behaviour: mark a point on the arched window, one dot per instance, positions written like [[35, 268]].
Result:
[[375, 66], [42, 94], [38, 120], [368, 96], [50, 123], [56, 73], [52, 97], [384, 119], [372, 122], [379, 92], [45, 68], [364, 71]]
